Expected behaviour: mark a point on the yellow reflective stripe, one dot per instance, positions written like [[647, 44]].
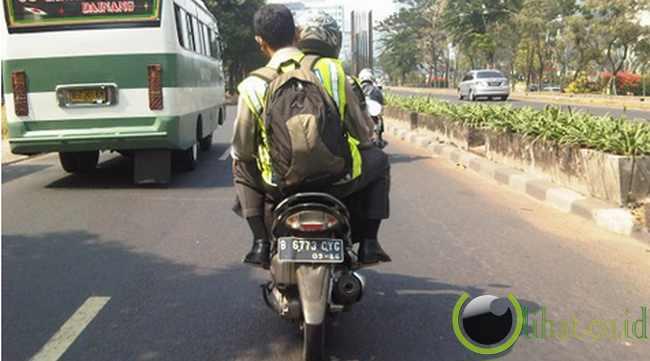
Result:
[[324, 75], [341, 86], [254, 93], [356, 156], [319, 75], [334, 75], [264, 164]]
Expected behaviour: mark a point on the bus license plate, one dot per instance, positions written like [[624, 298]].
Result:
[[310, 250], [87, 96]]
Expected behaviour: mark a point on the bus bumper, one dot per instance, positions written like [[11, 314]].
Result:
[[75, 136]]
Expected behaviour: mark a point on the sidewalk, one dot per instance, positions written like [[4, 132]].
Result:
[[594, 100]]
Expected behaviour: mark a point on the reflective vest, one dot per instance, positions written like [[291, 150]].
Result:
[[331, 73]]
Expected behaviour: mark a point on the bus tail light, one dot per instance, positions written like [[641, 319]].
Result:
[[155, 87], [19, 83]]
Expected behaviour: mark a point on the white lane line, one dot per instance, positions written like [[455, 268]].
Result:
[[71, 329], [225, 154]]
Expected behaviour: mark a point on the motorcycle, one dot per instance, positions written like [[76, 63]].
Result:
[[312, 266], [375, 110]]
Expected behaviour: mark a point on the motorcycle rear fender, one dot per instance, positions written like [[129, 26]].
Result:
[[283, 274], [314, 290]]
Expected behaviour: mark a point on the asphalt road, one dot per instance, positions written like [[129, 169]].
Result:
[[167, 261], [617, 112]]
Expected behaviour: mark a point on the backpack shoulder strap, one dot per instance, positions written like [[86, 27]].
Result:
[[253, 89], [309, 61], [266, 73]]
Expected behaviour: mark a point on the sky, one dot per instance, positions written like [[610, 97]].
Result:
[[380, 8]]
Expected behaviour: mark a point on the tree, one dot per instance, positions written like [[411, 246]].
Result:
[[618, 31], [506, 53], [582, 43], [540, 22], [471, 25], [433, 42], [241, 53], [399, 55]]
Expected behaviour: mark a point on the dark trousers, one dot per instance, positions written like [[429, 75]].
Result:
[[367, 196]]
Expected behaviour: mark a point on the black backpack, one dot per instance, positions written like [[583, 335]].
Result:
[[305, 134]]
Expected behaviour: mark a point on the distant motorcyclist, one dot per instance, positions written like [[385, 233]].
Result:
[[372, 92], [370, 87]]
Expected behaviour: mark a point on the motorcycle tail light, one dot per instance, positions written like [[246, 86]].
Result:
[[311, 221], [155, 87], [19, 85]]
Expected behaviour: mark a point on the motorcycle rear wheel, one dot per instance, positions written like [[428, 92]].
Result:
[[313, 342]]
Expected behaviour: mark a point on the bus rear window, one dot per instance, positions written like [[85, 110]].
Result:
[[31, 15]]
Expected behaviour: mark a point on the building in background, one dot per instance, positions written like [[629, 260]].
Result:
[[361, 41]]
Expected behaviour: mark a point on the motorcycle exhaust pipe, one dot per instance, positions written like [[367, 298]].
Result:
[[348, 289]]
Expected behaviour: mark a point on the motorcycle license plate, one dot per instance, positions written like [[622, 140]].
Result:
[[310, 250]]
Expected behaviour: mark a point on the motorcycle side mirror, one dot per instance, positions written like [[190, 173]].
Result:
[[374, 107]]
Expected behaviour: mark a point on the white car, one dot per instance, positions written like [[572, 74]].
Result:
[[489, 84]]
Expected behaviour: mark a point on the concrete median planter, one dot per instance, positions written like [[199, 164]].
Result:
[[614, 178], [619, 179], [440, 128], [464, 137]]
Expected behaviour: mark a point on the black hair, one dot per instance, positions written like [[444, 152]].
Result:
[[274, 23]]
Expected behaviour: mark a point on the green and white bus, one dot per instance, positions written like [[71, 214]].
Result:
[[134, 76]]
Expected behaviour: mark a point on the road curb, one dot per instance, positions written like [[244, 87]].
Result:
[[604, 215]]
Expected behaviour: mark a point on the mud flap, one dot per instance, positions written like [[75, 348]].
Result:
[[314, 289], [152, 167]]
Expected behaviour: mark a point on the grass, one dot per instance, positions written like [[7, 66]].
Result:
[[605, 133]]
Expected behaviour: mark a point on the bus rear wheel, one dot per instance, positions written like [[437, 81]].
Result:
[[79, 162]]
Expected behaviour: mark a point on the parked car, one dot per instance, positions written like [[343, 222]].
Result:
[[552, 88], [488, 83], [533, 88]]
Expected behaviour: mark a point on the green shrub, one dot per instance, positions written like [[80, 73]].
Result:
[[604, 133]]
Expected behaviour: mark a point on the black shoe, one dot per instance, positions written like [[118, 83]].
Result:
[[370, 252], [259, 254]]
